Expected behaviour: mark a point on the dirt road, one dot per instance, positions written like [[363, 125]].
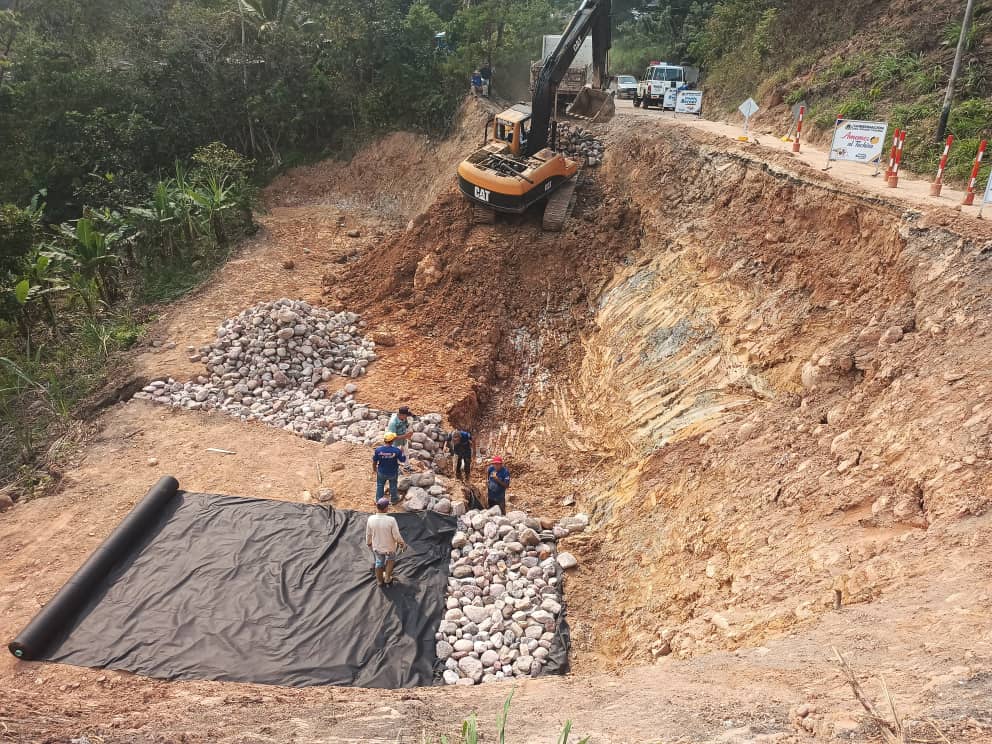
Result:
[[911, 191], [660, 380]]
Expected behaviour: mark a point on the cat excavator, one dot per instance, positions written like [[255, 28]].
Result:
[[520, 165]]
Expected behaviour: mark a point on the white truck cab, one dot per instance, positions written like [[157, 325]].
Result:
[[661, 82]]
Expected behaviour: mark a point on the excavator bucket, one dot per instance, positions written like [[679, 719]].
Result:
[[592, 104]]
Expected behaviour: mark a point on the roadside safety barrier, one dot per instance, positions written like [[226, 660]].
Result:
[[892, 154], [938, 182], [894, 177], [799, 129], [969, 197]]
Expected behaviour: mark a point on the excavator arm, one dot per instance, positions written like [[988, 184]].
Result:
[[593, 16]]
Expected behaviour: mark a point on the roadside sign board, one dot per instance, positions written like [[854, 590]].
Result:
[[670, 98], [859, 141], [987, 199], [689, 102], [749, 108]]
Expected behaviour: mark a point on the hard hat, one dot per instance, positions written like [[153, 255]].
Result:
[[388, 436]]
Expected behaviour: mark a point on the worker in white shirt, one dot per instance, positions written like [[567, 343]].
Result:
[[382, 534]]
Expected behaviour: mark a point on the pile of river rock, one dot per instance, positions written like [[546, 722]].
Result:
[[425, 490], [504, 596], [268, 363], [577, 142]]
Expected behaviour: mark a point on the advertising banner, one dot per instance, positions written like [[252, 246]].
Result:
[[689, 102], [860, 141], [669, 101]]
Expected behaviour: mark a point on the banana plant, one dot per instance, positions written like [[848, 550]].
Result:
[[159, 220], [39, 283], [214, 198], [92, 259]]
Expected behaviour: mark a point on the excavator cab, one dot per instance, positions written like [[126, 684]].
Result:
[[512, 127]]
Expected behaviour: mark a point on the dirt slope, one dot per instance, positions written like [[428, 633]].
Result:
[[706, 359]]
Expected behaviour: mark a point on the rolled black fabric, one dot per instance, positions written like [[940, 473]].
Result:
[[260, 590], [62, 611]]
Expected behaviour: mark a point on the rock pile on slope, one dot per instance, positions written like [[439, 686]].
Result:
[[275, 344], [504, 596], [577, 142], [267, 365]]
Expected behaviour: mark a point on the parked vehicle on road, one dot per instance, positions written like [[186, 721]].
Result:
[[661, 83], [626, 86]]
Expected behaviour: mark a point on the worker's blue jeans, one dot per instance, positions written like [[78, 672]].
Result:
[[380, 487]]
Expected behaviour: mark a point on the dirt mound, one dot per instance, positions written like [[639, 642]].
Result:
[[476, 288], [398, 176]]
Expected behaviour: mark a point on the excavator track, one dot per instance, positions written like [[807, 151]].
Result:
[[559, 206]]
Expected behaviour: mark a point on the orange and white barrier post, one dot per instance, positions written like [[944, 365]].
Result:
[[799, 129], [969, 197], [938, 182], [894, 178], [892, 154]]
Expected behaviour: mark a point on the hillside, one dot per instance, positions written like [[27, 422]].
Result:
[[861, 60]]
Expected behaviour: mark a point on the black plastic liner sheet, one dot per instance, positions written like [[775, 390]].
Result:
[[198, 586]]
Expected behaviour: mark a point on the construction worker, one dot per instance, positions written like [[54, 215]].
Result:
[[497, 481], [486, 73], [386, 466], [399, 424], [476, 83], [382, 534], [460, 444]]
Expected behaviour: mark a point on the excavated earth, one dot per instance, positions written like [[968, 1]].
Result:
[[768, 389]]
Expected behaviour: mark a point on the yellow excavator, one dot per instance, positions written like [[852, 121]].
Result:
[[520, 165]]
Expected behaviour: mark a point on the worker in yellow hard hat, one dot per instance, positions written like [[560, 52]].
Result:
[[386, 466]]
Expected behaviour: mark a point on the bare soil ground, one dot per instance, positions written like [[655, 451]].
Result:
[[682, 360]]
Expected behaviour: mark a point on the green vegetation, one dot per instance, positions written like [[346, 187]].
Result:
[[661, 32], [470, 734]]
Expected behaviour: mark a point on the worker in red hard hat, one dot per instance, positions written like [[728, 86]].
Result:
[[497, 481]]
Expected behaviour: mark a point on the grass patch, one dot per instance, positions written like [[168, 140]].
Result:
[[40, 388], [795, 96], [470, 734], [174, 281], [841, 68]]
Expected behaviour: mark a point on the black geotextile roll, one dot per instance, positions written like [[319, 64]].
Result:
[[258, 590], [56, 617]]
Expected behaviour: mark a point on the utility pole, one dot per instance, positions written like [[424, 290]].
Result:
[[949, 95]]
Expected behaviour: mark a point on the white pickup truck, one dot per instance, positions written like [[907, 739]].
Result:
[[661, 83]]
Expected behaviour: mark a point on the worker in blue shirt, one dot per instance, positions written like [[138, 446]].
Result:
[[498, 480], [386, 466], [460, 444]]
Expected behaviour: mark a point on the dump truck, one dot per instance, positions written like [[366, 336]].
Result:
[[576, 77], [520, 163]]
